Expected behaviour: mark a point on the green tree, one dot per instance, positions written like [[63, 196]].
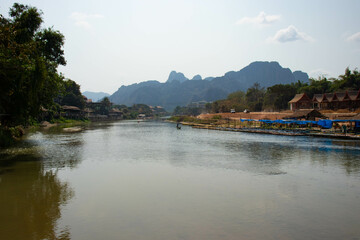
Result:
[[316, 86], [348, 81], [208, 107], [277, 97], [105, 106], [215, 107], [254, 97], [70, 94], [29, 57]]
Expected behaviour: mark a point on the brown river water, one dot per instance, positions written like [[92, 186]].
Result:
[[148, 180]]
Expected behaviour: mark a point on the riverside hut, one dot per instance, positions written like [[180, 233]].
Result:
[[354, 99], [71, 112], [115, 113], [327, 101], [300, 101], [306, 114]]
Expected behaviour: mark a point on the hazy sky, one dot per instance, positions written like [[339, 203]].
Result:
[[110, 43]]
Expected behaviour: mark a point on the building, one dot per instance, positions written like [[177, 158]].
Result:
[[115, 113], [306, 114], [301, 101], [72, 112], [327, 101]]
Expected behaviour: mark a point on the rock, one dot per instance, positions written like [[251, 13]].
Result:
[[72, 129]]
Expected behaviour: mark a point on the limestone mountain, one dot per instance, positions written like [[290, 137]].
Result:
[[180, 91], [177, 76]]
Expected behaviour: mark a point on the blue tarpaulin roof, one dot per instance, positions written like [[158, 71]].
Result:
[[322, 123]]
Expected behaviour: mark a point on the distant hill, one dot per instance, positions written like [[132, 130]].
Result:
[[95, 96], [180, 91], [177, 76]]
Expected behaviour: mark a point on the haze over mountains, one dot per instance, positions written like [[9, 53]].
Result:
[[95, 96], [178, 90]]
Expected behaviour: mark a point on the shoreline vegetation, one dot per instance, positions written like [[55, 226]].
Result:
[[222, 122], [31, 55], [11, 135]]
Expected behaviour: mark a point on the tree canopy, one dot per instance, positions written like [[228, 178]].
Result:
[[276, 98], [70, 94], [29, 57]]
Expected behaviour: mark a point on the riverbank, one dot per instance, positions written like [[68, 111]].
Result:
[[217, 123], [11, 135]]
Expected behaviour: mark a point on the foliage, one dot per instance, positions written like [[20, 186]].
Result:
[[348, 81], [70, 94], [252, 99], [192, 111], [105, 106], [8, 135], [217, 117], [321, 85], [29, 57], [276, 97], [141, 109], [235, 101], [255, 97]]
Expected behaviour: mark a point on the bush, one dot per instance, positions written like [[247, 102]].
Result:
[[216, 117], [8, 136]]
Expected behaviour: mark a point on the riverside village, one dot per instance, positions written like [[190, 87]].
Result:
[[179, 120]]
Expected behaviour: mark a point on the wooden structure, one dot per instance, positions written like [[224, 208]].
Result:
[[300, 101], [115, 113], [327, 101], [72, 112], [88, 112], [307, 114]]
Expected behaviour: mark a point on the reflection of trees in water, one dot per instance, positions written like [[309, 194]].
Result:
[[271, 153], [256, 157], [346, 159], [351, 163], [31, 200], [268, 157], [342, 153]]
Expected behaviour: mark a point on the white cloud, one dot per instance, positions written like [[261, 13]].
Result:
[[354, 38], [290, 34], [261, 19], [83, 19]]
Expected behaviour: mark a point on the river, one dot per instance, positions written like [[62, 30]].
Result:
[[148, 180]]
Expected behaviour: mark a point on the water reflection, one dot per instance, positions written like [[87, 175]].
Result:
[[31, 194], [256, 153], [149, 180], [31, 200]]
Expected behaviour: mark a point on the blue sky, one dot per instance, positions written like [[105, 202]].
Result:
[[110, 43]]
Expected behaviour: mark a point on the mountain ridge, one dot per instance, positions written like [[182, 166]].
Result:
[[179, 90], [95, 96]]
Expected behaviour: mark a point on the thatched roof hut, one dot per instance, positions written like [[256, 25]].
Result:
[[70, 108], [300, 101], [307, 114]]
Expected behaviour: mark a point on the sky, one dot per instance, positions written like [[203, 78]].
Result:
[[110, 43]]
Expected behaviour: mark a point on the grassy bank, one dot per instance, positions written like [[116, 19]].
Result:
[[10, 135]]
